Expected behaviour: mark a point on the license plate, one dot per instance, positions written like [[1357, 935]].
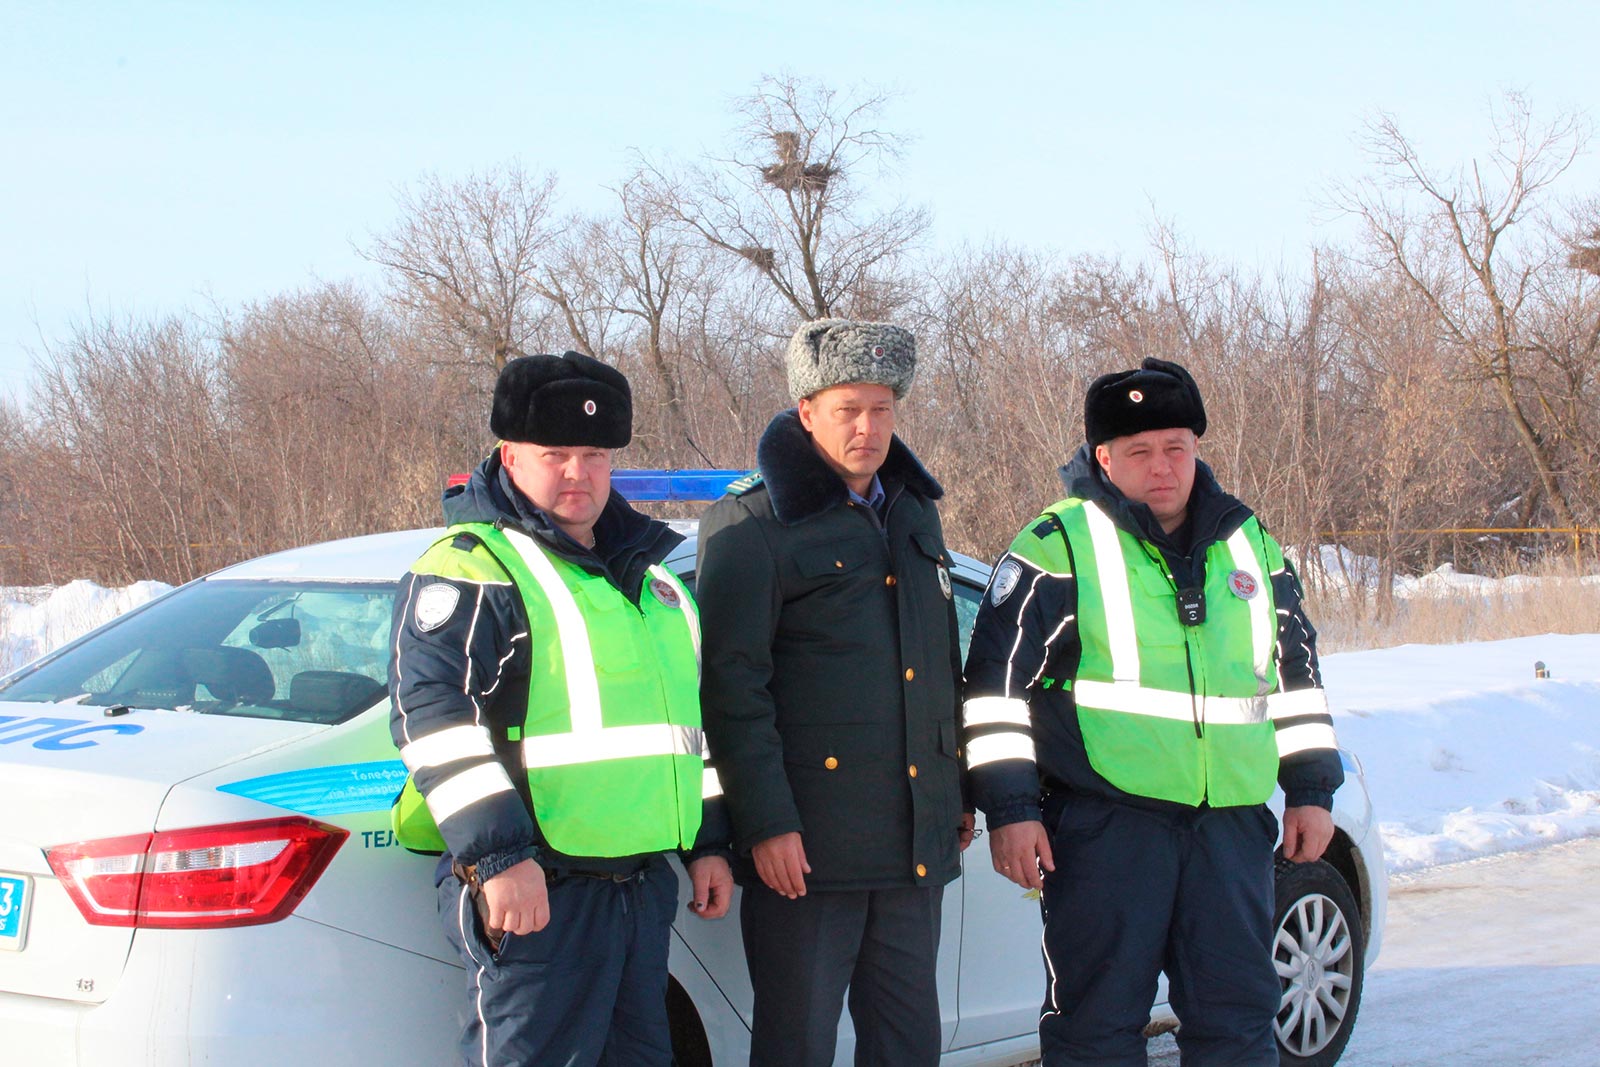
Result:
[[16, 893]]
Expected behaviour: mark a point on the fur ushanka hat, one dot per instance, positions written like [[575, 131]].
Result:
[[831, 352], [1160, 395], [566, 401]]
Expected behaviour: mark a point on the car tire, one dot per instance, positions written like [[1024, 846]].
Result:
[[1319, 948]]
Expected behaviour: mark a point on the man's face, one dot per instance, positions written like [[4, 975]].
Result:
[[851, 426], [1156, 468], [570, 484]]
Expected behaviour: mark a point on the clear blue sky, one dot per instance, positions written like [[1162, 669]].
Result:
[[158, 156]]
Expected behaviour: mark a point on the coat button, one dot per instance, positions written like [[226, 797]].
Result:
[[838, 563], [922, 872], [889, 580], [912, 770], [830, 763], [910, 674]]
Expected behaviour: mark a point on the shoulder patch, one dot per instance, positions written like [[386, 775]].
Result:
[[434, 605], [1005, 580], [741, 486]]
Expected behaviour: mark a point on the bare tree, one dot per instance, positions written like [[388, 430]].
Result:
[[463, 257], [789, 201], [1452, 236]]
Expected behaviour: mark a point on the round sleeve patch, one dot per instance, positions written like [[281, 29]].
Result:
[[434, 605]]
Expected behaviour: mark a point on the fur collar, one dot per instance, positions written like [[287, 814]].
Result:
[[801, 485]]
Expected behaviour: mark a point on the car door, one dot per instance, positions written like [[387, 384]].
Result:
[[1001, 981]]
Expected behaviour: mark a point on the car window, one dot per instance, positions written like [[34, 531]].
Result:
[[304, 651], [968, 597]]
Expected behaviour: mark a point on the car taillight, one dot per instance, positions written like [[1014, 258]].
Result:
[[240, 874]]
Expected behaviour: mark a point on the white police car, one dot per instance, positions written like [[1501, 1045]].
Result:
[[196, 864]]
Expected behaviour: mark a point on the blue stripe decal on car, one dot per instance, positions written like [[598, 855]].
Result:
[[338, 790]]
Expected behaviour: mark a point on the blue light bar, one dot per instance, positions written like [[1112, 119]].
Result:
[[639, 485]]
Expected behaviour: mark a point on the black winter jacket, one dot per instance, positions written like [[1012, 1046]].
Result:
[[486, 642], [831, 668], [1025, 638]]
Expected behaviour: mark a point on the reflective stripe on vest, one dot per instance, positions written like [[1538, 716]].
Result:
[[1147, 685]]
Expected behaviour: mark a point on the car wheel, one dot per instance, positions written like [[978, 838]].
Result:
[[1318, 950]]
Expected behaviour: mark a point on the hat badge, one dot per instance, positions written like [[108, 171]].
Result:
[[589, 407], [1136, 396]]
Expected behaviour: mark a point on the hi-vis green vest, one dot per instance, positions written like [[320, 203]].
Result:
[[611, 741], [1171, 711]]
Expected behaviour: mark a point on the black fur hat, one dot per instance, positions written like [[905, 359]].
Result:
[[566, 401], [1159, 395]]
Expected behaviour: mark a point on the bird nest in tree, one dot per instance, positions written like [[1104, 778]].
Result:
[[792, 172], [765, 258], [1585, 259], [796, 175]]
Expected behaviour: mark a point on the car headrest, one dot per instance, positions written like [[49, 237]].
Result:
[[231, 674], [332, 695]]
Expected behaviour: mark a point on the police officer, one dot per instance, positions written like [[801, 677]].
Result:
[[545, 688], [1141, 675], [831, 697]]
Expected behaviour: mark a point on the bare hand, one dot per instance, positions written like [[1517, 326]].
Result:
[[517, 898], [964, 831], [1019, 850], [1306, 833], [712, 884], [781, 863]]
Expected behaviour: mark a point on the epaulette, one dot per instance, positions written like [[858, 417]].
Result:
[[1046, 526], [465, 541], [741, 486]]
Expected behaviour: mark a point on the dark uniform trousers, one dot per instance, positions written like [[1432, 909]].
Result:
[[880, 943], [589, 989], [1137, 891]]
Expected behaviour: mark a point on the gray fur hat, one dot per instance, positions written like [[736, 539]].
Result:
[[831, 352]]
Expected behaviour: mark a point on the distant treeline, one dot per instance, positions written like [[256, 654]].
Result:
[[1445, 372]]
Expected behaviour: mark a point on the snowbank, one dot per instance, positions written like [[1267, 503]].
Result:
[[36, 619], [1465, 752], [1339, 570]]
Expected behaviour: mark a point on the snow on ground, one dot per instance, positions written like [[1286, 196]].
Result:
[[36, 619], [1466, 753], [1339, 570]]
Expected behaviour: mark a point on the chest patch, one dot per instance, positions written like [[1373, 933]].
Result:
[[665, 593], [1244, 585], [434, 605], [944, 582], [1005, 580]]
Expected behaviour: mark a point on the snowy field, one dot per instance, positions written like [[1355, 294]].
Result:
[[1466, 752]]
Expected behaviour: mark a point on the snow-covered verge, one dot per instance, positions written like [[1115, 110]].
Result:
[[1466, 753], [36, 619], [1340, 571]]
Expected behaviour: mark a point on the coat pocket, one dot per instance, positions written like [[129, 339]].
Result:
[[839, 557]]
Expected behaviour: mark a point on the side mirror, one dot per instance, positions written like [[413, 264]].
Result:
[[276, 633]]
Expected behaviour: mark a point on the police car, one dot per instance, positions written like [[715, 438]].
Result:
[[196, 864]]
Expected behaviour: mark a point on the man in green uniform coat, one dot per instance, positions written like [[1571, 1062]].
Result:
[[831, 693]]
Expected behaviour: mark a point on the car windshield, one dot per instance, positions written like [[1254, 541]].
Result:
[[302, 651]]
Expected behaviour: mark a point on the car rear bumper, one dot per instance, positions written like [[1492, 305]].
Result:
[[245, 997]]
